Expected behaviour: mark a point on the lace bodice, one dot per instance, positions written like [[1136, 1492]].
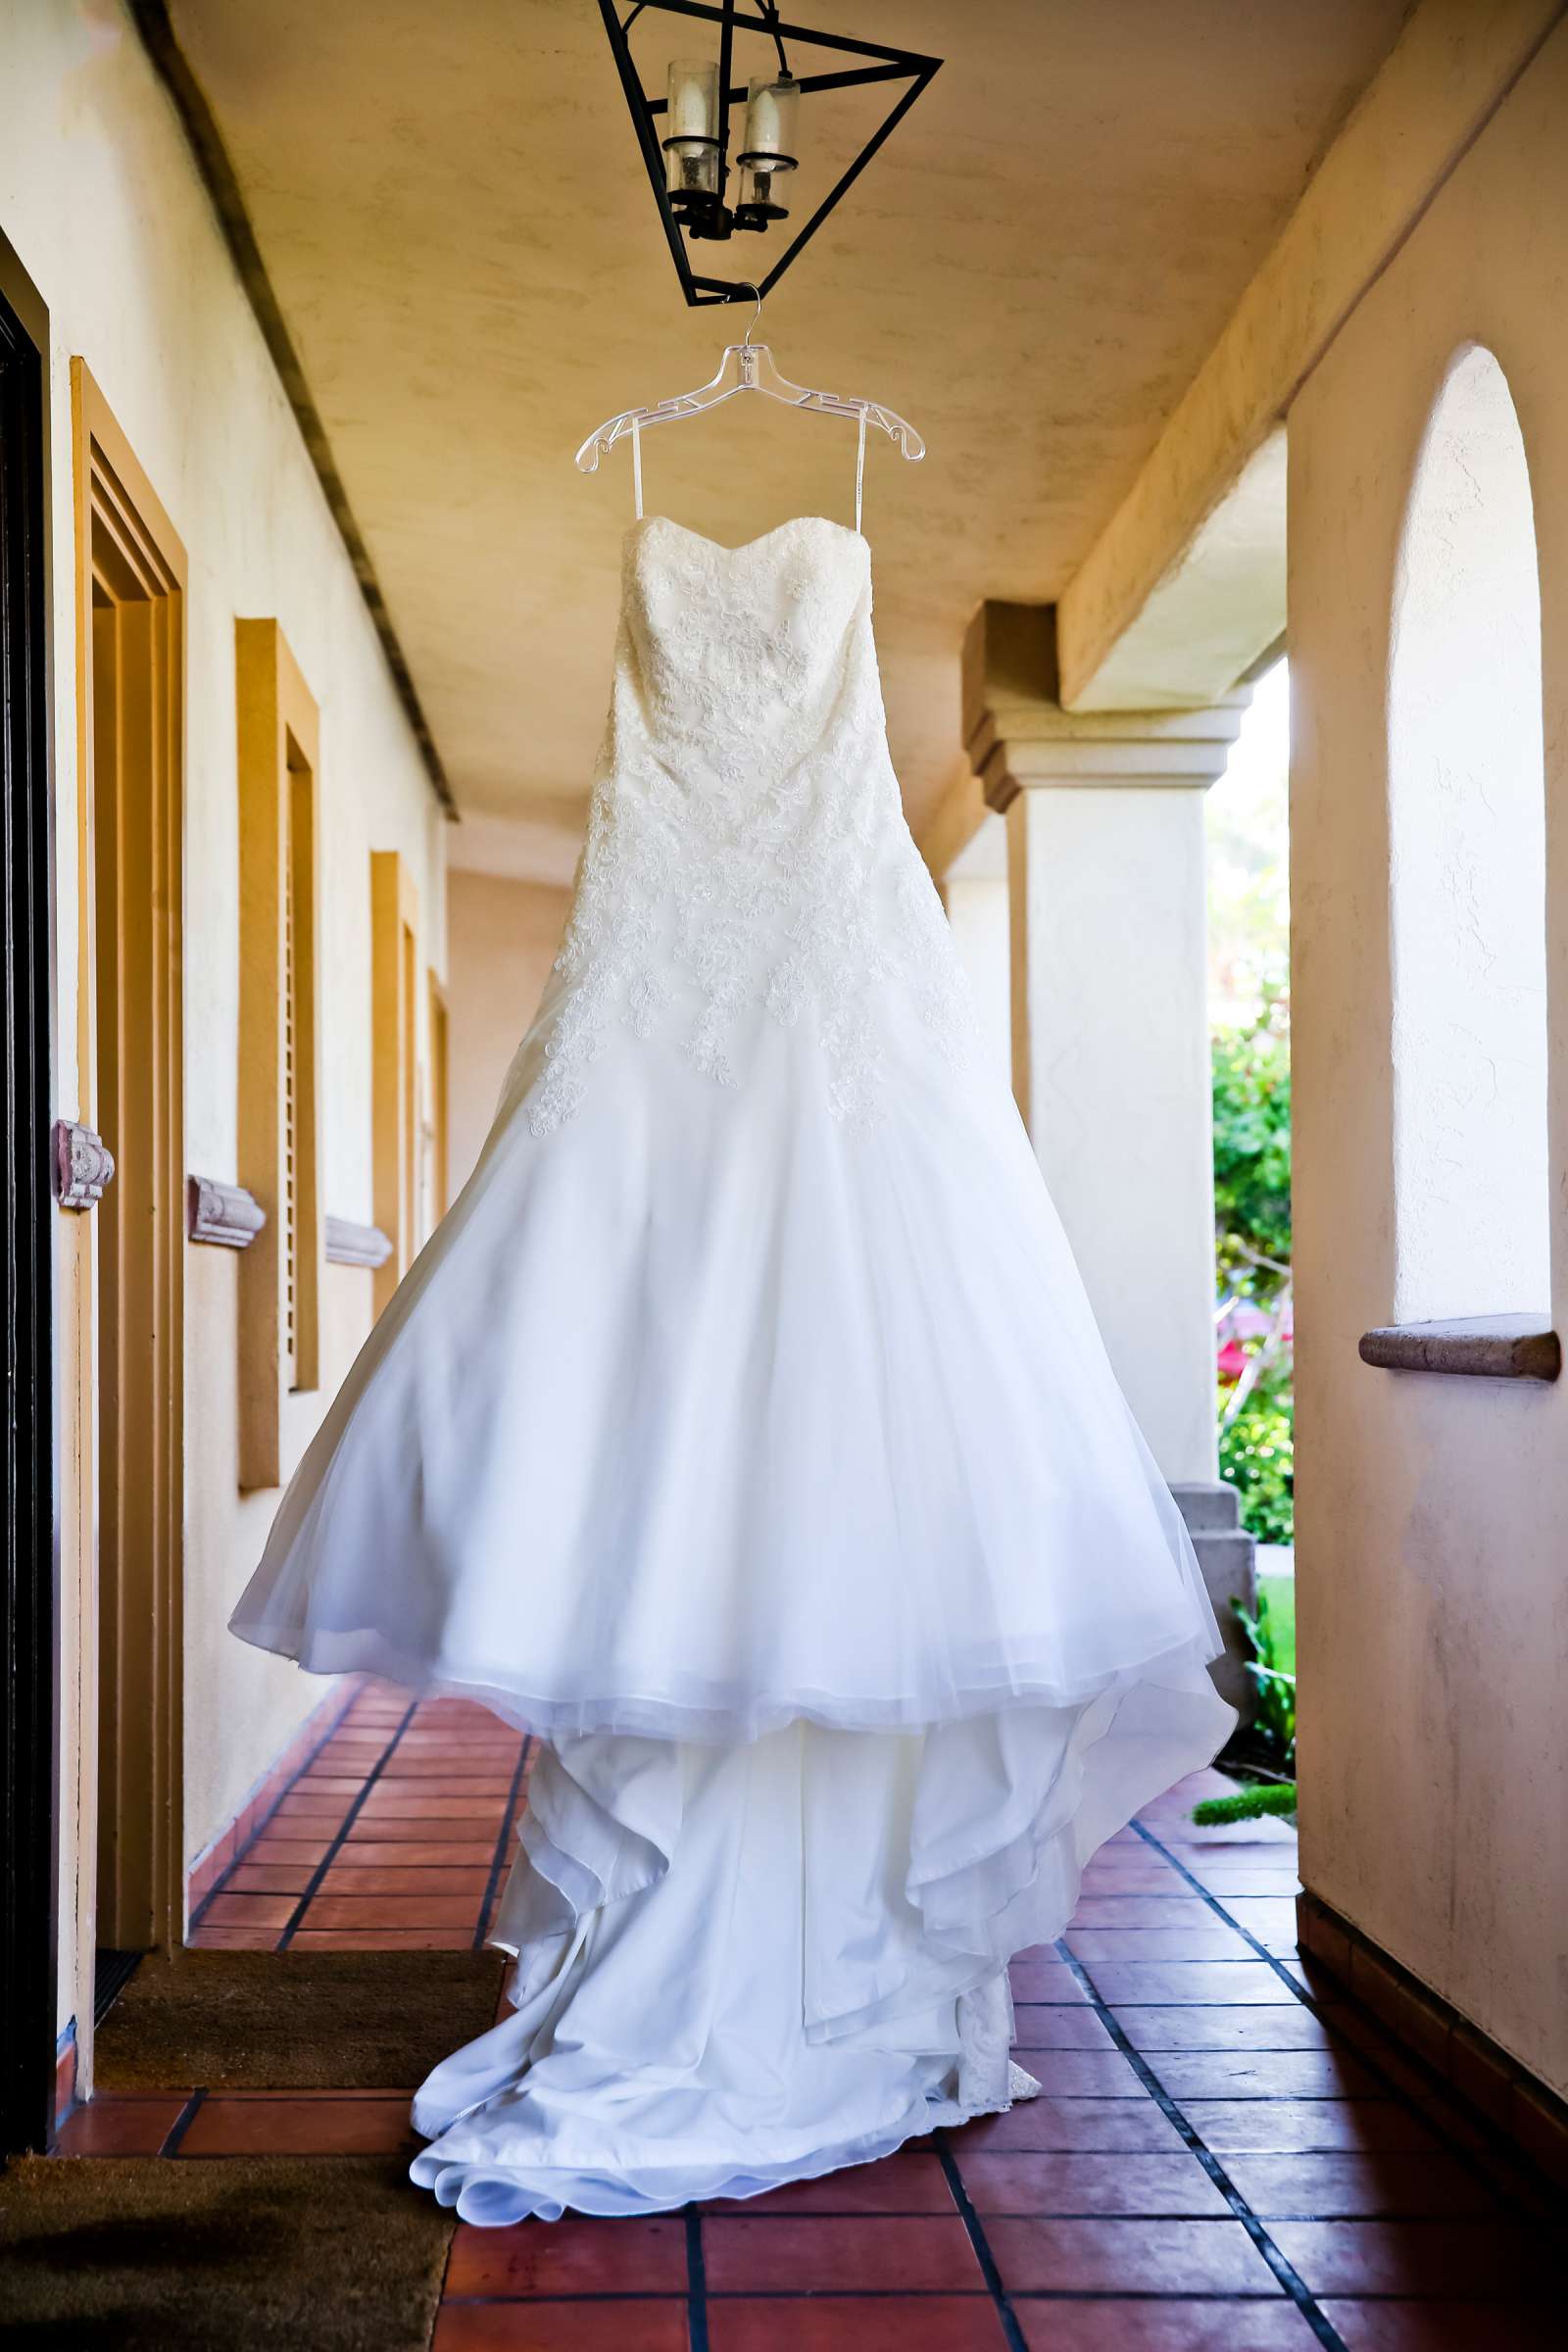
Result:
[[746, 852]]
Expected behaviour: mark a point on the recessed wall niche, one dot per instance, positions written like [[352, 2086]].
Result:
[[1467, 827]]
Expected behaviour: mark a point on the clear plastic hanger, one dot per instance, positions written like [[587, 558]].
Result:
[[747, 366]]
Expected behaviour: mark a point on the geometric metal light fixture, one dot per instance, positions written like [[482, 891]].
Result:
[[706, 193]]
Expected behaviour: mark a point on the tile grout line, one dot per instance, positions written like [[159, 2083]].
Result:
[[1284, 2270], [355, 1807], [1465, 2157], [183, 2124], [696, 2281], [980, 2244], [1018, 2213], [1212, 2297], [1270, 1959], [220, 1886], [498, 1860]]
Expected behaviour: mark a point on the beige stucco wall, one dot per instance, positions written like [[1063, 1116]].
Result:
[[1124, 609], [503, 938], [1433, 1513], [101, 200]]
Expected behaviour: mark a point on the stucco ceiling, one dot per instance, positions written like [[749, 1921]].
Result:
[[451, 210]]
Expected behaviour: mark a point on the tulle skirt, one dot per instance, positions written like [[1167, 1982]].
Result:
[[768, 1465], [713, 1412]]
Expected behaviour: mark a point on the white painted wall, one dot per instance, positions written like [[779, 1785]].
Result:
[[1110, 946], [974, 891], [1431, 1594], [100, 197], [1468, 879]]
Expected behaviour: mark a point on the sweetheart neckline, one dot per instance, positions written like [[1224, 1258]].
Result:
[[722, 547]]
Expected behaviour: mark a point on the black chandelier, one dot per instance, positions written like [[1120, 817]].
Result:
[[685, 135]]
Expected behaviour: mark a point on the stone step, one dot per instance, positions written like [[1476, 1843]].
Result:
[[1231, 1549], [1227, 1556], [1214, 1503]]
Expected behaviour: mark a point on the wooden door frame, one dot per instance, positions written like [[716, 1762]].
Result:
[[438, 1052], [130, 562], [394, 1065], [29, 1745], [279, 770]]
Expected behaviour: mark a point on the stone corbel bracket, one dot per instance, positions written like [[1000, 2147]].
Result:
[[84, 1165], [1473, 1346], [351, 1245], [1017, 735], [222, 1214]]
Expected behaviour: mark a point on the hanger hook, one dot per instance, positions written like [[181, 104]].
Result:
[[744, 286]]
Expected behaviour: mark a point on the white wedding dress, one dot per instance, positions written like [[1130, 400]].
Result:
[[744, 1431]]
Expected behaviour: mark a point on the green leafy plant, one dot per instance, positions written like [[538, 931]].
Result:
[[1258, 1452], [1280, 1593], [1252, 1091], [1256, 1801], [1273, 1727], [1251, 1109]]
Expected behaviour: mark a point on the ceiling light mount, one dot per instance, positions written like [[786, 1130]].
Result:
[[685, 133]]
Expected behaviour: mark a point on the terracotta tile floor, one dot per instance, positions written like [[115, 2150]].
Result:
[[1226, 2155], [397, 1833]]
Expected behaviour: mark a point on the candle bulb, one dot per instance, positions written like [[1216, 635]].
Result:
[[693, 100], [691, 147], [767, 151], [762, 122]]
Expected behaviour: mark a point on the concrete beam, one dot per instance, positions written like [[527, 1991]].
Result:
[[1450, 71], [1218, 610]]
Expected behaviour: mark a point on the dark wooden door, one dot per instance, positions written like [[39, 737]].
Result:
[[28, 1681]]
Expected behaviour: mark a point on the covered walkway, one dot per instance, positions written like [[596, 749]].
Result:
[[1227, 2151], [1237, 336]]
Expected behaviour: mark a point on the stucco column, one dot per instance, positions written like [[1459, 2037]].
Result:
[[974, 891], [1105, 815]]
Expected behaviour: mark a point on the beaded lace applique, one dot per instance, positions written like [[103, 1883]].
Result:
[[747, 851]]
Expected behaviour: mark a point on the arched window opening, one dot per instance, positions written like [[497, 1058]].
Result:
[[1467, 826]]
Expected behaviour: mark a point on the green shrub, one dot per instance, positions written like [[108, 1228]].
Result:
[[1252, 1088], [1257, 1455], [1252, 1102], [1280, 1593], [1273, 1727]]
